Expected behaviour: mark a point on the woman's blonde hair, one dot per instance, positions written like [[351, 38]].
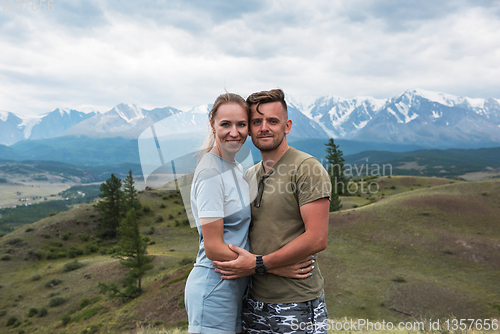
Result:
[[220, 100]]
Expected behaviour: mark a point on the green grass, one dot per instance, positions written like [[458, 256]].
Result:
[[87, 313], [57, 301], [70, 266], [172, 245], [407, 252], [410, 326]]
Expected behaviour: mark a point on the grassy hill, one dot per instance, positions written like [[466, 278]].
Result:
[[25, 277], [367, 190], [433, 251]]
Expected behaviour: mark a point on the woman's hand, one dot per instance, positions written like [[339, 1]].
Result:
[[301, 269]]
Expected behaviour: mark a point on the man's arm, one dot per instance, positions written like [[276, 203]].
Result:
[[313, 240]]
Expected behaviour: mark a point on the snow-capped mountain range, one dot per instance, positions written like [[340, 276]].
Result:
[[415, 117], [14, 128], [124, 120]]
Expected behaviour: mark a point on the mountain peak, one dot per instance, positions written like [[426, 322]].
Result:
[[202, 109], [302, 103], [63, 111], [330, 98], [89, 110], [126, 105], [438, 97], [376, 103], [4, 115], [129, 112]]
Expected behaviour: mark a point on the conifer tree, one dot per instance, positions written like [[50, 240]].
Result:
[[336, 170], [132, 252], [130, 198], [111, 202]]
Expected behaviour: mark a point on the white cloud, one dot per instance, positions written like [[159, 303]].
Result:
[[178, 53]]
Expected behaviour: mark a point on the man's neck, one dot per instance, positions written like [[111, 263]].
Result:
[[270, 158]]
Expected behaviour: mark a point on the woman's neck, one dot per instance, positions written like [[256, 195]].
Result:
[[223, 154]]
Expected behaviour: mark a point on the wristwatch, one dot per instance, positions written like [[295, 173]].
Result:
[[260, 268]]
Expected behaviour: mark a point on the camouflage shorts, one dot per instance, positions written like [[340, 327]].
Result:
[[307, 317]]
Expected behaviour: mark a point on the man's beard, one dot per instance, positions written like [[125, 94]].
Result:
[[269, 147]]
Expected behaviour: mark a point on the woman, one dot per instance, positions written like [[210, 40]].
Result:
[[220, 203]]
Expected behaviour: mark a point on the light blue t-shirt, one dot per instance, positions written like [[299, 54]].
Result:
[[219, 191]]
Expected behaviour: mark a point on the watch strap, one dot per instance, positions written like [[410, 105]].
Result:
[[260, 268]]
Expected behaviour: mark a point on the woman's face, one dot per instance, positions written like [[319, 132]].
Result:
[[231, 129]]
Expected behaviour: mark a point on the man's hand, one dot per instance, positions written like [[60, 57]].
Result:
[[244, 265]]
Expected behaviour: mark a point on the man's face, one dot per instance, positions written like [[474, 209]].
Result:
[[269, 127]]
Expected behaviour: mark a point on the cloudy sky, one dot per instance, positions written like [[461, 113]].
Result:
[[182, 53]]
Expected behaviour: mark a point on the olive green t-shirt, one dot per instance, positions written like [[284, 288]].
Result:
[[296, 179]]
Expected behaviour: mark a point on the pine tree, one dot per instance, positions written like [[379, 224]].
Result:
[[111, 204], [335, 204], [130, 198], [132, 252], [336, 170]]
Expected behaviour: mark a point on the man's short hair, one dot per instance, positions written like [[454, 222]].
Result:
[[267, 96]]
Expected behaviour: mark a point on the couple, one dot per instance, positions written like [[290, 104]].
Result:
[[259, 230]]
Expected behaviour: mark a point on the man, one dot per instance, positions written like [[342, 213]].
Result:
[[289, 221]]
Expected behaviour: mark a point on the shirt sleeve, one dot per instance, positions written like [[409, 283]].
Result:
[[209, 194], [253, 184], [313, 182]]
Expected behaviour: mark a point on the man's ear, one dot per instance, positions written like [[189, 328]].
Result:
[[288, 126]]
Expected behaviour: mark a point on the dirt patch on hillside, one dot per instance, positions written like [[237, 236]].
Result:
[[409, 181], [425, 300], [384, 182], [343, 218], [108, 271], [469, 248], [448, 203], [490, 173]]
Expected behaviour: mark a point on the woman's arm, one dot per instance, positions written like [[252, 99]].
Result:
[[209, 194], [215, 248]]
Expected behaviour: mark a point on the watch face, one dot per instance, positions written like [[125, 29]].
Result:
[[259, 270]]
